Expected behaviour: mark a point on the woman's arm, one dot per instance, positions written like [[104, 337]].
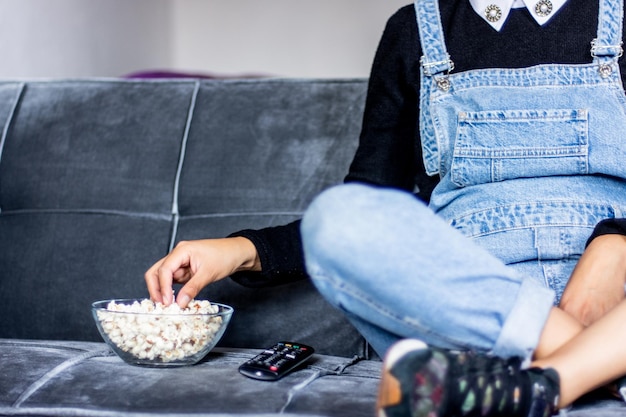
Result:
[[597, 283]]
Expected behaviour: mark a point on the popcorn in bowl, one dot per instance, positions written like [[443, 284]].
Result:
[[142, 332]]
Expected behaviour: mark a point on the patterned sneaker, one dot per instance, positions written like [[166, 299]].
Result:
[[420, 381]]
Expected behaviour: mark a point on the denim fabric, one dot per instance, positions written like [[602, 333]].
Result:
[[442, 290], [529, 160]]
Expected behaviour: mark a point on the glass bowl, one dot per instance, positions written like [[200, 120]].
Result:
[[145, 333]]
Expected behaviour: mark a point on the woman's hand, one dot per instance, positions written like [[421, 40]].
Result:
[[197, 264], [597, 283]]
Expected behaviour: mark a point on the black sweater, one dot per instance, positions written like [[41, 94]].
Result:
[[389, 152]]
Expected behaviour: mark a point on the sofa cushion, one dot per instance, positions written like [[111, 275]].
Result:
[[86, 192], [54, 265], [100, 178], [267, 148], [68, 378], [256, 155], [99, 146]]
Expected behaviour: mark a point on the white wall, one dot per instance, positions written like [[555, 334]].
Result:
[[317, 38], [293, 38], [74, 38]]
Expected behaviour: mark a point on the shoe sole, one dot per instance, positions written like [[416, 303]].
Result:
[[390, 390]]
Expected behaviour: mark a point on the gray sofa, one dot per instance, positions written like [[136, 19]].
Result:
[[100, 178]]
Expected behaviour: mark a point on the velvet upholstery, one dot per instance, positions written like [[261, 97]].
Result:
[[100, 178], [91, 381]]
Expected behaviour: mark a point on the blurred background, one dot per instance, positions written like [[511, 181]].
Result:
[[112, 38]]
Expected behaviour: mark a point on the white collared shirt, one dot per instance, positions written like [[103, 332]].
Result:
[[495, 12]]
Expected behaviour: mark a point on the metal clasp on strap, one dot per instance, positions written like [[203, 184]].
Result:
[[432, 68], [606, 51], [440, 70]]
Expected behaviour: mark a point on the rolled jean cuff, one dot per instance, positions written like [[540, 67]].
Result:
[[523, 327]]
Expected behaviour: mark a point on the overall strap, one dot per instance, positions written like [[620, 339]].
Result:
[[608, 44], [435, 64], [435, 59]]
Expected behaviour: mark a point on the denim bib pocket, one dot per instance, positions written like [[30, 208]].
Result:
[[494, 146], [542, 241]]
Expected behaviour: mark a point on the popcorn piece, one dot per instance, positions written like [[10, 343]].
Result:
[[155, 331]]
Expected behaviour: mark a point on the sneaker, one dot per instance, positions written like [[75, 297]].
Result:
[[421, 381]]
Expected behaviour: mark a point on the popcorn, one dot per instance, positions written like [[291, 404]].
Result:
[[157, 332]]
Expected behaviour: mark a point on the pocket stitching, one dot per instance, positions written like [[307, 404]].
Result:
[[465, 147]]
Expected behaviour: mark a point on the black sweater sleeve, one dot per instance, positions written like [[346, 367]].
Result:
[[609, 227], [280, 253]]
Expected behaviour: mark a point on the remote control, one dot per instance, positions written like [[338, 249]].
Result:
[[273, 363]]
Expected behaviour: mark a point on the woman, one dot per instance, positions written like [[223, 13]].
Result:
[[506, 120]]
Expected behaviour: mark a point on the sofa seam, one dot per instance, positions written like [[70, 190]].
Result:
[[9, 120], [192, 80], [319, 372], [181, 162], [43, 380], [121, 213], [44, 344], [241, 213], [293, 391]]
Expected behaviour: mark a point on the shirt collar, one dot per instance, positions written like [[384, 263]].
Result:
[[495, 12]]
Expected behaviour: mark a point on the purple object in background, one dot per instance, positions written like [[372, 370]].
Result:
[[146, 74]]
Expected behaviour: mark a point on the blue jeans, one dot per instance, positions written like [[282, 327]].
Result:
[[397, 271]]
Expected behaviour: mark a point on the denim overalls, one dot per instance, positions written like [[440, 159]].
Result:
[[530, 160]]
